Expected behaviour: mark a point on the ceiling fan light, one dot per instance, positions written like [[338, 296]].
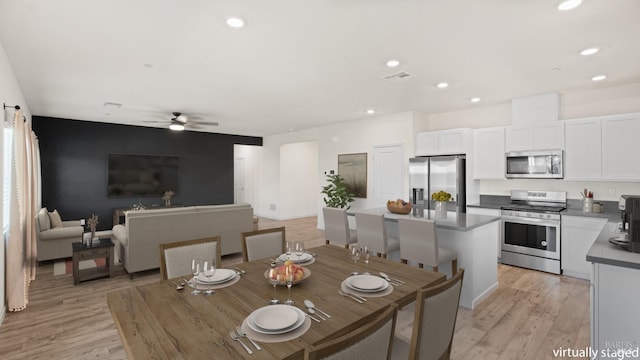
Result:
[[176, 127], [569, 4]]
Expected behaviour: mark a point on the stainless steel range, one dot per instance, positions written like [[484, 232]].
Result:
[[531, 229]]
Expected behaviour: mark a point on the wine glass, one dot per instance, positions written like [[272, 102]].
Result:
[[366, 254], [355, 256], [299, 249], [195, 270], [208, 270], [289, 249], [289, 280], [274, 280]]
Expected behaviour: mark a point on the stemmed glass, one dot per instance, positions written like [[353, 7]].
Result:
[[366, 254], [208, 270], [299, 249], [355, 255], [274, 279], [195, 270], [289, 249], [289, 280]]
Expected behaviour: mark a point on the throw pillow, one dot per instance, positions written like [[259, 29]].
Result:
[[43, 219], [56, 220]]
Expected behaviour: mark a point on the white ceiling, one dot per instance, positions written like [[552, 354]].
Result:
[[300, 64]]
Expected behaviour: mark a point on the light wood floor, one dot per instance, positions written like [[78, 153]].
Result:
[[530, 313]]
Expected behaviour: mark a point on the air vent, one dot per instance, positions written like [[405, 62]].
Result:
[[112, 105], [398, 75]]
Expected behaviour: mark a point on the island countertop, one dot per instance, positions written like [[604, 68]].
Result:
[[454, 221], [605, 253]]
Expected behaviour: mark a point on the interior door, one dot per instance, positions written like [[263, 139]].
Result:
[[388, 173], [238, 180]]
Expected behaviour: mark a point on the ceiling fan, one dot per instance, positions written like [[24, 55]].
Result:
[[180, 121]]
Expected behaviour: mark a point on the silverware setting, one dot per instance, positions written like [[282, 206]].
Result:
[[389, 280], [178, 286], [244, 335], [351, 296], [311, 305], [235, 337], [312, 318], [240, 271], [313, 312], [385, 276]]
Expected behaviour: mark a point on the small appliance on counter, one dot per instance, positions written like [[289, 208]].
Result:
[[629, 240]]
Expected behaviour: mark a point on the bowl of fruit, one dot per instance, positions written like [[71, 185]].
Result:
[[299, 273], [399, 206]]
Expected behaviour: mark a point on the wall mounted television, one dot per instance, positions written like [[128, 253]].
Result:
[[142, 175]]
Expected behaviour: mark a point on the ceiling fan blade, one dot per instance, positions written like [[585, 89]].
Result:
[[206, 123]]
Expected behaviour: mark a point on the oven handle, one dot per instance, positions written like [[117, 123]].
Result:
[[520, 220]]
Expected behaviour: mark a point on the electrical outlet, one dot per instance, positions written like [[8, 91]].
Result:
[[272, 207]]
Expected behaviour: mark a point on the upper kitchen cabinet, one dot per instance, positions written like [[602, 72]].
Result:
[[489, 153], [542, 136], [620, 147], [445, 142], [583, 150]]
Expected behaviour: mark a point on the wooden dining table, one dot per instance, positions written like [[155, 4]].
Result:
[[157, 321]]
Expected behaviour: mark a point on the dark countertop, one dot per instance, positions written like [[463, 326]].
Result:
[[603, 252]]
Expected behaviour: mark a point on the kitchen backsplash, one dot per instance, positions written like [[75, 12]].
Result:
[[602, 190]]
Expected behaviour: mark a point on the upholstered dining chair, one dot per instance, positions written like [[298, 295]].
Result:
[[259, 244], [175, 257], [419, 243], [336, 227], [371, 341], [373, 234], [434, 322]]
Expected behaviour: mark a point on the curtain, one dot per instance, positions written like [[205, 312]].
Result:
[[21, 245]]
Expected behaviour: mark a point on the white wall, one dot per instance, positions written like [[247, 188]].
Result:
[[298, 179], [11, 94]]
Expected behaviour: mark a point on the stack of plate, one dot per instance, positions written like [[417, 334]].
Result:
[[220, 276], [305, 257], [276, 319], [367, 283]]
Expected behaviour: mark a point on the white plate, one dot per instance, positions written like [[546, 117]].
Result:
[[295, 258], [275, 319], [220, 276], [367, 283]]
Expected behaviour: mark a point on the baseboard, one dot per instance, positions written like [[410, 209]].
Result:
[[483, 295], [280, 218]]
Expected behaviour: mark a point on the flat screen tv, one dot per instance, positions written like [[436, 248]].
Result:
[[142, 175]]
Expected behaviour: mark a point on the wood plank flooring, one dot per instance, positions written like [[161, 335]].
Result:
[[529, 315]]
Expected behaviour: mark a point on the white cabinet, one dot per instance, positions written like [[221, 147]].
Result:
[[578, 234], [583, 150], [542, 136], [445, 142], [490, 212], [620, 147], [488, 153]]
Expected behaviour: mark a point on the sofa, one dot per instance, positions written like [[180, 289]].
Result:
[[55, 242], [144, 230]]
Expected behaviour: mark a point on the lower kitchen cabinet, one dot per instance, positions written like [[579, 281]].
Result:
[[578, 234], [490, 212]]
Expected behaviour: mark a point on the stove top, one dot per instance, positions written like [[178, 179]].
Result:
[[534, 208], [537, 201]]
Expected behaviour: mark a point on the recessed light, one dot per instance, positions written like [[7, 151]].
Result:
[[393, 63], [589, 51], [371, 111], [290, 129], [599, 77], [442, 85], [569, 4], [475, 99], [235, 22]]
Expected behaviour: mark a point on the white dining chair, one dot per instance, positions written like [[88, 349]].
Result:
[[373, 234], [259, 244], [419, 243], [336, 227], [175, 257]]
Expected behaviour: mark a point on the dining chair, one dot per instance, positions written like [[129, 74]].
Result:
[[373, 234], [434, 322], [175, 257], [371, 341], [336, 227], [259, 244], [419, 243]]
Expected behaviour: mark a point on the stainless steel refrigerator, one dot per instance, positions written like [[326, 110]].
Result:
[[430, 174]]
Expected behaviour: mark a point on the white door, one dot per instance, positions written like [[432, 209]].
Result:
[[388, 173], [238, 180]]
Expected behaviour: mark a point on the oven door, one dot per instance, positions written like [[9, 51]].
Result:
[[531, 236]]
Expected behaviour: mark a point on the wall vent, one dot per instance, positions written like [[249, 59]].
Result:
[[398, 75]]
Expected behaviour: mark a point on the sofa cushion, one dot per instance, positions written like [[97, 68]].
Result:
[[56, 220], [62, 232], [120, 233], [43, 219]]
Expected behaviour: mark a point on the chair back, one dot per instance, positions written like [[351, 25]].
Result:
[[175, 257], [371, 341], [435, 319], [260, 244], [418, 241], [336, 226], [372, 232]]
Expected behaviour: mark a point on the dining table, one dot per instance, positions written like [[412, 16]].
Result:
[[159, 321]]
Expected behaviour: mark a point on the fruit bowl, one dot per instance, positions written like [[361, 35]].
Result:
[[302, 271], [399, 206]]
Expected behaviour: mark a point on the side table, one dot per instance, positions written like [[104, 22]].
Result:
[[101, 249]]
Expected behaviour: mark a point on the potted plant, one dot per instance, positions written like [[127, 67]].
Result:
[[441, 197], [336, 193]]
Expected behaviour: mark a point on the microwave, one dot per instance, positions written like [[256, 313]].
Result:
[[542, 164]]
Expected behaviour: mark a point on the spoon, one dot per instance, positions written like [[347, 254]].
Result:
[[386, 277], [311, 305], [313, 312]]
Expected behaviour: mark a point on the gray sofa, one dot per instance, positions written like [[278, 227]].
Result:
[[144, 230], [55, 243]]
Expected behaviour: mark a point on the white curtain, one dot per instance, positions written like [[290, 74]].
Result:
[[21, 247]]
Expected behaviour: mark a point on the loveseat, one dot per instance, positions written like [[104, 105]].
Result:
[[144, 230], [55, 242]]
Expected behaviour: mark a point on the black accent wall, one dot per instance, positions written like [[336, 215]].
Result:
[[74, 165]]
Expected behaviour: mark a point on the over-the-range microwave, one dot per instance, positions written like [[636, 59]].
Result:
[[542, 164]]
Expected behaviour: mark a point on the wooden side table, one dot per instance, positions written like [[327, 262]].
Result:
[[102, 249]]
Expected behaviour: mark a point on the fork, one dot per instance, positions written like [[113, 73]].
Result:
[[244, 335], [235, 337]]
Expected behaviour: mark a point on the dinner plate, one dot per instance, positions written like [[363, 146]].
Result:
[[367, 283], [220, 276], [295, 258], [275, 319]]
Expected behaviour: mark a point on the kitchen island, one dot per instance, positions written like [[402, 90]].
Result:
[[474, 237]]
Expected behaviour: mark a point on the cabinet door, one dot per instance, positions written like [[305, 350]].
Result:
[[452, 141], [578, 234], [548, 136], [426, 143], [620, 148], [519, 138], [583, 150], [488, 153]]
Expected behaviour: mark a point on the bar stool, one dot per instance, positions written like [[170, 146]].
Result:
[[419, 243], [373, 234], [336, 227]]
